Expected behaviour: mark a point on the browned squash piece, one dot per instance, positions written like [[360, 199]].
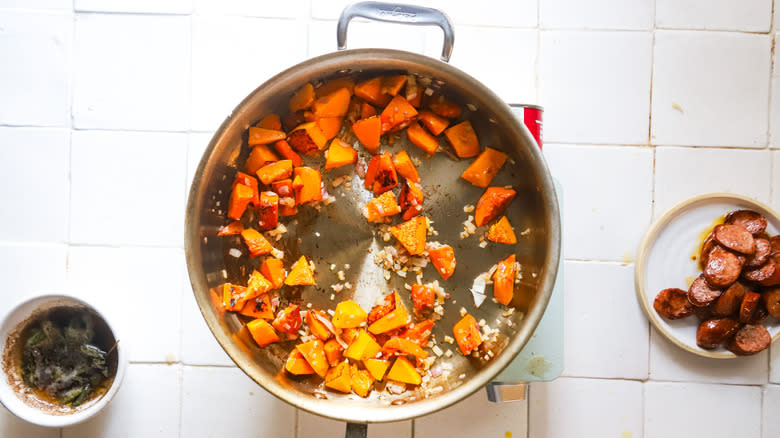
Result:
[[432, 122], [444, 107], [275, 171], [271, 121], [410, 200], [330, 126], [259, 156], [307, 185], [334, 104], [392, 84], [381, 207], [404, 166], [340, 154], [300, 274], [264, 136], [307, 138], [368, 131], [332, 85], [484, 168], [463, 139], [412, 234], [504, 280], [422, 139], [371, 92], [302, 99], [492, 203], [397, 115], [502, 232]]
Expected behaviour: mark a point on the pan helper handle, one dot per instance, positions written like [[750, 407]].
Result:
[[397, 13]]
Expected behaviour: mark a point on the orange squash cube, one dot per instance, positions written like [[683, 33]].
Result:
[[307, 185], [251, 182], [302, 99], [296, 364], [371, 92], [369, 132], [330, 126], [334, 104], [256, 285], [410, 200], [502, 232], [444, 107], [504, 280], [366, 111], [467, 334], [463, 139], [288, 320], [262, 332], [314, 319], [377, 209], [362, 347], [340, 154], [361, 381], [348, 314], [233, 296], [423, 297], [418, 332], [314, 353], [259, 156], [435, 124], [264, 136], [404, 347], [339, 378], [484, 168], [334, 84], [412, 234], [285, 150], [333, 352], [422, 139], [271, 121], [396, 316], [377, 367], [443, 259], [259, 307], [268, 211], [275, 171], [403, 371], [404, 166], [301, 274], [492, 203], [257, 243], [240, 197], [307, 138], [398, 114], [231, 229], [273, 270], [381, 175], [392, 84]]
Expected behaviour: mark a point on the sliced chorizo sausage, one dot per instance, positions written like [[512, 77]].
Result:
[[706, 247], [748, 306], [774, 243], [771, 299], [728, 303], [673, 304], [716, 331], [750, 220], [723, 267], [750, 339], [700, 294], [735, 238], [759, 274], [758, 258]]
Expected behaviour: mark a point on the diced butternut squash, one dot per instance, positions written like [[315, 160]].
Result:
[[334, 104], [423, 297], [388, 316], [264, 136], [259, 156], [271, 121], [504, 280], [314, 353], [371, 92], [404, 347], [463, 139], [377, 367], [307, 138], [484, 168], [410, 200], [366, 111], [330, 126], [349, 334], [240, 197], [268, 211], [285, 150], [361, 381], [251, 182], [418, 332], [433, 123], [302, 99], [256, 285], [257, 243], [362, 347], [422, 139], [316, 320], [502, 232], [368, 131], [297, 364], [275, 171], [466, 332], [284, 189], [412, 234], [443, 259], [340, 154], [259, 307], [403, 371], [381, 175], [334, 84], [492, 203], [288, 320], [348, 314], [339, 378], [392, 84], [307, 185], [398, 114], [262, 332], [384, 206], [301, 274], [231, 229], [444, 107], [233, 296], [414, 92], [404, 166], [333, 352], [273, 270]]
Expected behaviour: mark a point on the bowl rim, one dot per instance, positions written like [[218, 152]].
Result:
[[642, 255], [18, 313]]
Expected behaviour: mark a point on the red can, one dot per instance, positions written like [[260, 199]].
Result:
[[531, 115]]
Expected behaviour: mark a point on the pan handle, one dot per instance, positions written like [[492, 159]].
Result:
[[356, 430], [397, 13]]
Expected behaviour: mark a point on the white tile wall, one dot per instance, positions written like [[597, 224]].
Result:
[[229, 61], [137, 6], [12, 426], [35, 89], [256, 8], [669, 362], [595, 86], [743, 15], [600, 14], [159, 386], [52, 5], [775, 199], [135, 286], [126, 188], [569, 407], [681, 173], [601, 314], [770, 421], [774, 364], [362, 35], [131, 72], [198, 345], [673, 409], [774, 111], [476, 416], [209, 394], [602, 220], [30, 270], [710, 89], [34, 169], [313, 425], [196, 145]]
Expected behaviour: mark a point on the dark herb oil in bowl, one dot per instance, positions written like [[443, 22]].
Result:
[[67, 356]]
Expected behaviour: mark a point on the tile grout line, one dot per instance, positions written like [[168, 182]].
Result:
[[652, 186]]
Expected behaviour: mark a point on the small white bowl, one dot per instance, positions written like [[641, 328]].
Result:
[[10, 326]]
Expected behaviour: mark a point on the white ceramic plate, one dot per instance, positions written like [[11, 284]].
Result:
[[665, 259]]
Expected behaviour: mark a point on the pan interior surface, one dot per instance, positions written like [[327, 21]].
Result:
[[339, 235]]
